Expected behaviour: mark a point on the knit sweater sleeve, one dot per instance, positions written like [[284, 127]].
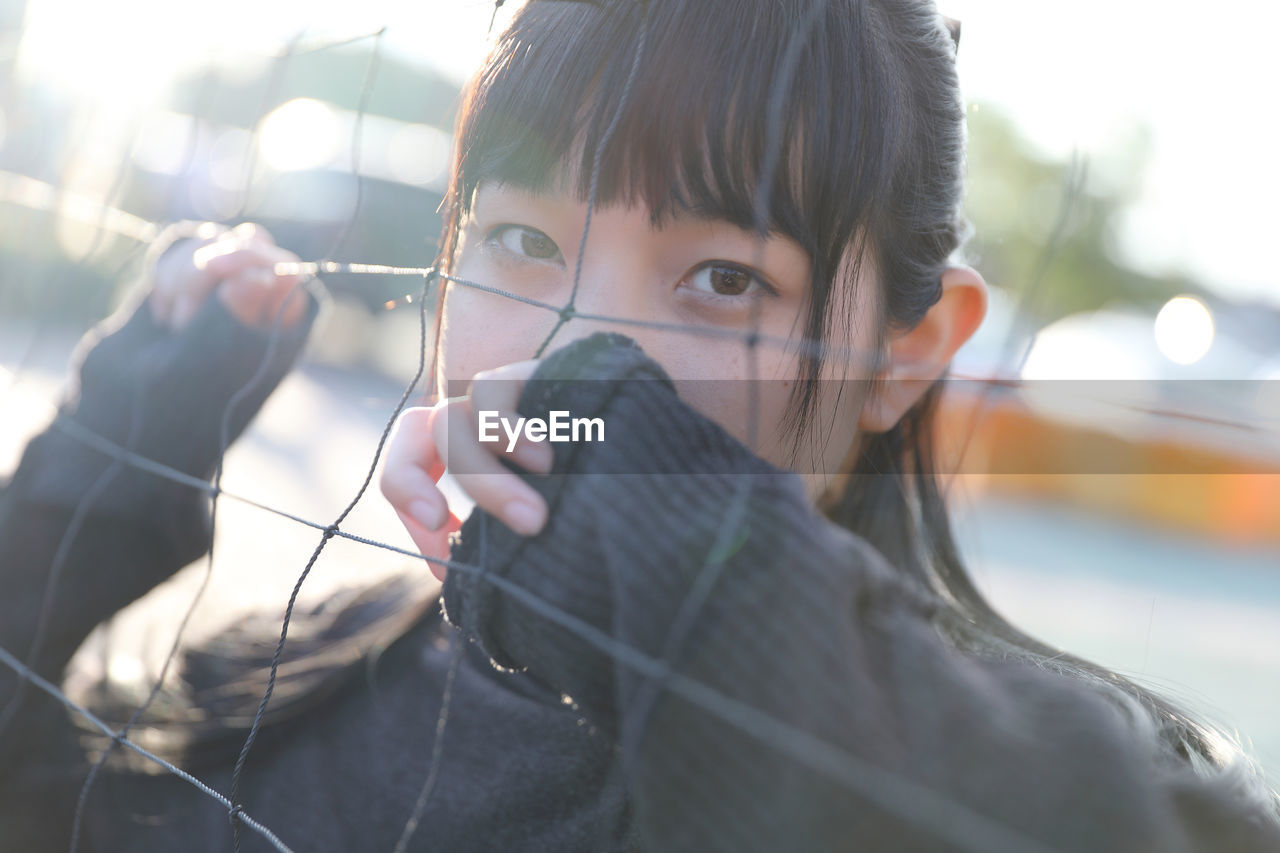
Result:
[[97, 533], [771, 681]]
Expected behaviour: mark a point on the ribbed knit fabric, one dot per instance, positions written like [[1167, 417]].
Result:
[[776, 685], [705, 663]]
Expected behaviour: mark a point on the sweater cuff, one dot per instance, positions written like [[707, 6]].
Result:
[[649, 431], [162, 396], [581, 377]]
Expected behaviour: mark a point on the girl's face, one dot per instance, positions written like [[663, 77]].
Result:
[[695, 272]]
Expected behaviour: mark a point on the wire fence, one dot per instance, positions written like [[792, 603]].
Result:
[[947, 820]]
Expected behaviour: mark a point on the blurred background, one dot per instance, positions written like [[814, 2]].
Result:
[[1113, 431]]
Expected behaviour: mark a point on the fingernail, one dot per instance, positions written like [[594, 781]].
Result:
[[522, 517], [535, 457], [426, 514]]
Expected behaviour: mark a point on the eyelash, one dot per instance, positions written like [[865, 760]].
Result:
[[764, 288], [493, 243]]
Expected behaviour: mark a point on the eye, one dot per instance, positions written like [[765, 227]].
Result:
[[525, 242], [721, 279]]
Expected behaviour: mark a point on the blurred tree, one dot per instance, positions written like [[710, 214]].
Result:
[[1015, 199]]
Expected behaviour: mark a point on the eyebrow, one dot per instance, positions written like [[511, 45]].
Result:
[[702, 213], [674, 209]]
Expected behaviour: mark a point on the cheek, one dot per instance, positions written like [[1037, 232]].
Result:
[[750, 405], [480, 331], [830, 431]]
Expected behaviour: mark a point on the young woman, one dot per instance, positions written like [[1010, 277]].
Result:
[[738, 621]]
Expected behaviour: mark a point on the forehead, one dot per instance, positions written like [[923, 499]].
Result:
[[559, 202]]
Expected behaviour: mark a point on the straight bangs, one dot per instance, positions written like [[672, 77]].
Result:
[[721, 89]]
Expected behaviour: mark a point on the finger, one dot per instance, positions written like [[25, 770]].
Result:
[[225, 258], [433, 544], [411, 469], [498, 392], [174, 276], [493, 487], [257, 295], [411, 454], [222, 251]]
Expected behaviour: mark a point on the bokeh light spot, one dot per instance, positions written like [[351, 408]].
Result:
[[1184, 330], [298, 135]]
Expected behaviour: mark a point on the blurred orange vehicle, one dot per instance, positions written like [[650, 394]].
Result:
[[1131, 433]]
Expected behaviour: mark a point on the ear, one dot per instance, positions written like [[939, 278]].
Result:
[[918, 356]]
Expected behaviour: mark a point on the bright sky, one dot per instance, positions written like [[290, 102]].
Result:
[[1201, 76], [1077, 75]]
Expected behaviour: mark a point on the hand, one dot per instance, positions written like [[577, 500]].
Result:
[[237, 265], [427, 440]]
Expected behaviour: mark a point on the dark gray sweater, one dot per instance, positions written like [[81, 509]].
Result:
[[690, 658]]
